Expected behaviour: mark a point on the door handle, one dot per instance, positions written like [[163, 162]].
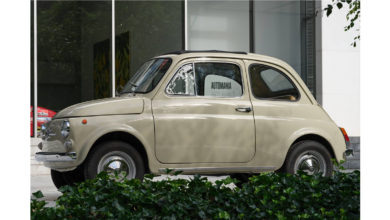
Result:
[[244, 109]]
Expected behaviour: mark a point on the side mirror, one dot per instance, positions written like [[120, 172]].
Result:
[[118, 89]]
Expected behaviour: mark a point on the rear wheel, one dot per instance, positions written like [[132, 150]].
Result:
[[310, 157], [117, 158]]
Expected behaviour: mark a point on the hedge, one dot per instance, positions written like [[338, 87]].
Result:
[[264, 196]]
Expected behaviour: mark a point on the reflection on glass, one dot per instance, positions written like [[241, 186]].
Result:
[[73, 52], [148, 76], [277, 26], [145, 29], [219, 25]]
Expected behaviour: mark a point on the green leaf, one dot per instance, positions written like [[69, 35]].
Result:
[[38, 194], [329, 10], [339, 5], [168, 171], [278, 195], [177, 172]]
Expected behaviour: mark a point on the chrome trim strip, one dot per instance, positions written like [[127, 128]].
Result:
[[55, 156], [220, 169]]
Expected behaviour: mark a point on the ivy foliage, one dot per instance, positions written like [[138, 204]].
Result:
[[353, 15], [265, 196]]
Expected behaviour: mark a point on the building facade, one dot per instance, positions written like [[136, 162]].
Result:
[[89, 49]]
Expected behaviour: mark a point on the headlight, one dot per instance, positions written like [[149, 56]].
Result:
[[42, 133], [65, 128]]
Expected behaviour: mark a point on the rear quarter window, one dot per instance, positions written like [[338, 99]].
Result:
[[270, 83]]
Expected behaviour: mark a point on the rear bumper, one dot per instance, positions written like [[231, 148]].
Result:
[[347, 153], [55, 156]]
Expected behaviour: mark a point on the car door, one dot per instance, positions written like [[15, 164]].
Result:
[[202, 113], [280, 109]]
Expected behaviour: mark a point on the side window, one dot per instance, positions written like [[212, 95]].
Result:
[[183, 82], [270, 83], [218, 79]]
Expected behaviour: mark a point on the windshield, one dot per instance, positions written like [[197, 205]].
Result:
[[147, 76]]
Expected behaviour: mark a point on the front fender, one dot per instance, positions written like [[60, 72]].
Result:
[[84, 136]]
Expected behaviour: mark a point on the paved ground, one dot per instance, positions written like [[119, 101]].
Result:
[[44, 183]]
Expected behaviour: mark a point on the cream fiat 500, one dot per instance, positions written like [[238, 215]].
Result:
[[200, 112]]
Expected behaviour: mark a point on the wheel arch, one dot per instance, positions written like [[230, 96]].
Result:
[[313, 137], [128, 138]]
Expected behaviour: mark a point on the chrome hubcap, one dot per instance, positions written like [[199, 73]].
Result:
[[118, 165], [310, 162]]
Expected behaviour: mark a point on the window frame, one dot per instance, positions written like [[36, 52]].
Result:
[[196, 93], [279, 71]]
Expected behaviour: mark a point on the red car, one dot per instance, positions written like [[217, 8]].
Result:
[[44, 115]]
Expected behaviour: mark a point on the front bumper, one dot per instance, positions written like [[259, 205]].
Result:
[[55, 156]]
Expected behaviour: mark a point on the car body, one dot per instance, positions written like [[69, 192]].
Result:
[[207, 113], [44, 115]]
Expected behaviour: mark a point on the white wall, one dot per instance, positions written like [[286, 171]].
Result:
[[340, 71]]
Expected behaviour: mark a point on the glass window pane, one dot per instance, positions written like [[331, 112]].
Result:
[[148, 76], [270, 83], [277, 29], [183, 82], [275, 81], [217, 24], [218, 79], [145, 29], [74, 52]]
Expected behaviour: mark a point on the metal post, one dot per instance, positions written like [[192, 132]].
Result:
[[185, 25], [251, 27], [35, 70], [113, 46]]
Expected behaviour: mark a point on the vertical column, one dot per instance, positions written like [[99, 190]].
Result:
[[113, 46], [185, 25], [35, 70], [251, 27], [318, 56]]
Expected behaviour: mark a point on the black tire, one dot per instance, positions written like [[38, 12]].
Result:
[[67, 178], [74, 176], [57, 178], [111, 147], [308, 147]]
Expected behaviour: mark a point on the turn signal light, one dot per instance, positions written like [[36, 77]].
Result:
[[346, 138]]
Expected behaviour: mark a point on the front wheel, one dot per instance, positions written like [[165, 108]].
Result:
[[67, 178], [310, 157], [119, 159], [57, 178]]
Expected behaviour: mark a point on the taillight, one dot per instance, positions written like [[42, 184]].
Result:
[[346, 138]]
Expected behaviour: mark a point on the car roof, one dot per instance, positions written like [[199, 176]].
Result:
[[204, 51], [185, 54]]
